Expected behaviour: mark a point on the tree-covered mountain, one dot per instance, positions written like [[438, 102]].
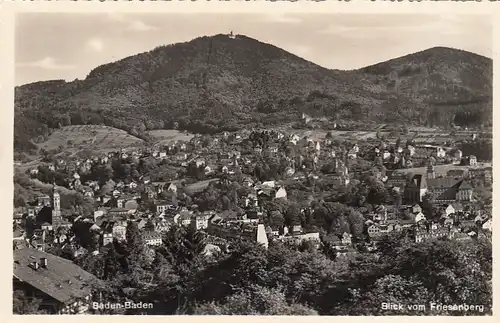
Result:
[[447, 85], [216, 83]]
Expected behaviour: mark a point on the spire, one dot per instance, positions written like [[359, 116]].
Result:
[[54, 189]]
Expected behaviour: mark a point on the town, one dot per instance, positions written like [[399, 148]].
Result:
[[341, 195]]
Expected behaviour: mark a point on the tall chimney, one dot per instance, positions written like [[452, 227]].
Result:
[[43, 262]]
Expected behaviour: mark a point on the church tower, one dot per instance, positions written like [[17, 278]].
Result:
[[430, 171], [56, 206]]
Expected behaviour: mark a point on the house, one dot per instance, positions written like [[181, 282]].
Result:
[[396, 180], [152, 238], [46, 226], [317, 146], [447, 190], [432, 232], [251, 200], [233, 229], [449, 210], [172, 188], [416, 208], [269, 184], [273, 149], [289, 171], [200, 221], [456, 156], [211, 249], [440, 152], [469, 161], [280, 193], [411, 150], [64, 287], [18, 218], [184, 217], [162, 207], [456, 173], [346, 238], [248, 181], [300, 238], [294, 139], [487, 225], [208, 170], [418, 217], [116, 193], [118, 230], [373, 230], [19, 235]]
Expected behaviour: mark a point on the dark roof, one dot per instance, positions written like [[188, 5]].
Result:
[[62, 279], [418, 181], [465, 185], [118, 210], [151, 235], [445, 182]]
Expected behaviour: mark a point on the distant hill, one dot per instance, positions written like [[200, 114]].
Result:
[[216, 83], [451, 85]]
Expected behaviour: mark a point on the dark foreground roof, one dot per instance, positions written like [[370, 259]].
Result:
[[62, 279]]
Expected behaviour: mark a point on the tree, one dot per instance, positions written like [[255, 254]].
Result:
[[398, 142], [23, 305], [377, 193], [149, 226], [428, 208], [255, 301], [134, 242], [226, 203], [293, 215]]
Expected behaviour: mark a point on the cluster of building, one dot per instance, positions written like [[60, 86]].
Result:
[[144, 202]]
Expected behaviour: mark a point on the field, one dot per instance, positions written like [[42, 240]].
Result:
[[164, 137], [93, 137]]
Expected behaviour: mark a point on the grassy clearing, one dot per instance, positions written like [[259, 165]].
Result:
[[92, 137], [166, 136]]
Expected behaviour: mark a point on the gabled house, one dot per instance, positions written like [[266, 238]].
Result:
[[280, 193], [62, 287]]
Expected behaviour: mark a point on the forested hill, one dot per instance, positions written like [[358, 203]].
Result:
[[453, 86], [216, 83]]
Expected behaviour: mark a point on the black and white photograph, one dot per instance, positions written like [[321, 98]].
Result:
[[232, 163]]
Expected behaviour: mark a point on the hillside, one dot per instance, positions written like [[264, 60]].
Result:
[[71, 139], [217, 83], [454, 85]]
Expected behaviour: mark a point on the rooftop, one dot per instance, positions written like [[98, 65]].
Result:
[[62, 279]]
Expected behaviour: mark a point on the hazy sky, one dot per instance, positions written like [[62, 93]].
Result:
[[67, 46]]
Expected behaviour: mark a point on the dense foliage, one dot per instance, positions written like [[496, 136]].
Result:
[[180, 279]]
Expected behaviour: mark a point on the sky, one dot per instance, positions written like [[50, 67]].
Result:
[[68, 45]]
